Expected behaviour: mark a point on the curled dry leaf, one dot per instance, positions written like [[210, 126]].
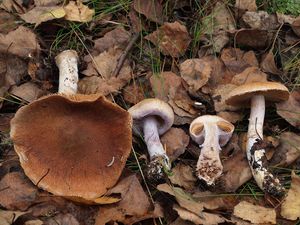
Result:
[[195, 72], [296, 26], [21, 42], [153, 10], [115, 38], [103, 65], [250, 74], [290, 208], [27, 91], [175, 141], [252, 38], [42, 14], [268, 64], [288, 150], [76, 11], [17, 192], [133, 207], [254, 213], [171, 38], [203, 218], [183, 175], [249, 5], [290, 109]]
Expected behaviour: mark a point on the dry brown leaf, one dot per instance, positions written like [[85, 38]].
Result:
[[203, 218], [224, 19], [27, 91], [175, 141], [47, 2], [219, 96], [153, 10], [76, 11], [268, 64], [43, 13], [232, 117], [115, 38], [254, 213], [180, 221], [62, 219], [288, 151], [252, 38], [134, 206], [21, 42], [184, 199], [195, 72], [261, 20], [296, 26], [290, 109], [290, 208], [183, 175], [8, 217], [249, 5], [137, 91], [13, 6], [17, 192], [171, 38], [250, 74], [7, 22]]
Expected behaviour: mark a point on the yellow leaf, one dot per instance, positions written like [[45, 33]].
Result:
[[76, 11]]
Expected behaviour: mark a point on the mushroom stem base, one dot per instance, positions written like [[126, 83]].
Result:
[[255, 149]]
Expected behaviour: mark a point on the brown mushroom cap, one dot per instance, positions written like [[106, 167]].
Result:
[[152, 107], [271, 90], [73, 146]]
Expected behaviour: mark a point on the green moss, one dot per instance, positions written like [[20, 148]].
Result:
[[291, 7]]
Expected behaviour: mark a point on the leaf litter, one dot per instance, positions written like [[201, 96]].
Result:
[[235, 44]]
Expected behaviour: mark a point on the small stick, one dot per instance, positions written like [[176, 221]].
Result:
[[123, 56]]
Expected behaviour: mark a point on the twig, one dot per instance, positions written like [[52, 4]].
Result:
[[123, 56]]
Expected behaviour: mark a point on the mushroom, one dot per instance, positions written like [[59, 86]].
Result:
[[211, 133], [153, 117], [75, 145], [257, 93]]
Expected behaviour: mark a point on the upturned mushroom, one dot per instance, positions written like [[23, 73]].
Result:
[[69, 144], [254, 95], [151, 118], [211, 133]]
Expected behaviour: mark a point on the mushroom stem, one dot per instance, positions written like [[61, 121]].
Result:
[[255, 149], [151, 138], [68, 72], [209, 166]]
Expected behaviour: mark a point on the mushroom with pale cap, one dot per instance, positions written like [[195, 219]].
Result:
[[153, 117], [257, 93], [72, 145], [211, 133]]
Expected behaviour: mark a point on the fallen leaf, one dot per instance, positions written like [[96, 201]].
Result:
[[62, 219], [223, 18], [7, 22], [260, 20], [27, 91], [8, 217], [219, 96], [249, 5], [195, 72], [290, 208], [290, 109], [296, 26], [76, 11], [183, 176], [137, 91], [118, 37], [288, 150], [252, 38], [21, 42], [13, 6], [171, 38], [47, 2], [184, 199], [180, 221], [17, 192], [232, 117], [133, 207], [42, 14], [175, 141], [250, 74], [254, 213], [153, 10], [268, 64], [203, 218]]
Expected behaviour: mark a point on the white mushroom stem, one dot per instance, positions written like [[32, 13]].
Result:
[[68, 72], [151, 137], [256, 154], [209, 166]]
